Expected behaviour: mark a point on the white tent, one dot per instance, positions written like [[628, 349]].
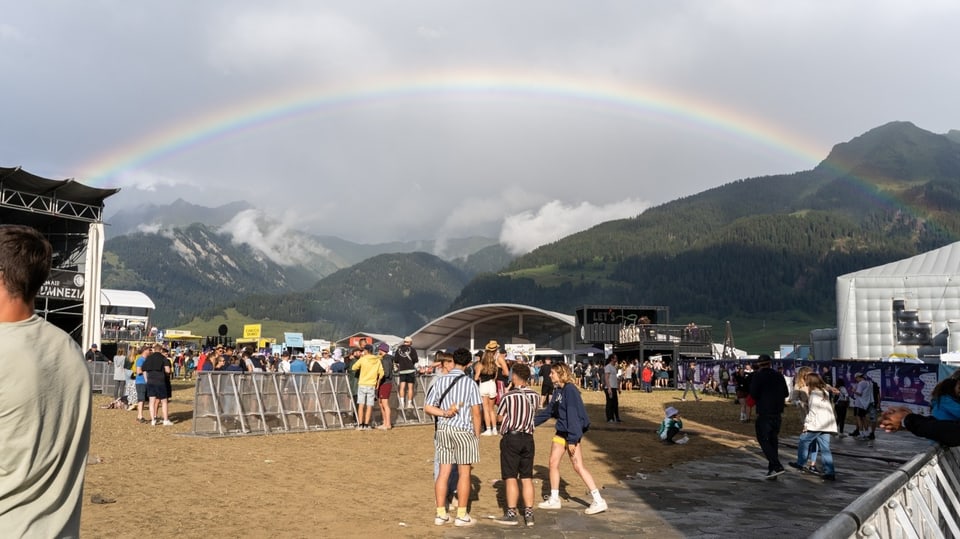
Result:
[[905, 308]]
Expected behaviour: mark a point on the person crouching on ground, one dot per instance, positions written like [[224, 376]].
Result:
[[516, 411], [670, 426], [567, 408]]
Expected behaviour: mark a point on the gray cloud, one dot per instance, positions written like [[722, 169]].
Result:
[[379, 120]]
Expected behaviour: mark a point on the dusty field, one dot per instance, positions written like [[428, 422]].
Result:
[[348, 483]]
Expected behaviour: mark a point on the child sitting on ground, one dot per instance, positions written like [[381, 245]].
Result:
[[671, 426]]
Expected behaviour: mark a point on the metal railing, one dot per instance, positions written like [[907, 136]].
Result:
[[666, 333], [918, 500], [101, 376], [228, 403]]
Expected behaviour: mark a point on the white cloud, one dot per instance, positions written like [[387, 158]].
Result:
[[10, 33], [276, 240], [528, 230], [144, 180], [292, 42]]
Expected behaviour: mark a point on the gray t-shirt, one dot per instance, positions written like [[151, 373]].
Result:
[[45, 427]]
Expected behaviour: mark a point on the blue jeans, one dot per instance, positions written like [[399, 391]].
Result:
[[822, 439]]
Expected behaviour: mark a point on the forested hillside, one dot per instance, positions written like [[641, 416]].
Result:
[[756, 246], [387, 293]]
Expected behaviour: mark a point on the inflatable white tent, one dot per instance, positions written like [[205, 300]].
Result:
[[905, 308]]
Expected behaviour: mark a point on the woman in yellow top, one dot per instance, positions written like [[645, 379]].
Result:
[[491, 364]]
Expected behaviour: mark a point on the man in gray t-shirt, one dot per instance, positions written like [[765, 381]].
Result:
[[611, 389]]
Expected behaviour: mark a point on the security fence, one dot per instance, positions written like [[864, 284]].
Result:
[[101, 376], [918, 500], [228, 403]]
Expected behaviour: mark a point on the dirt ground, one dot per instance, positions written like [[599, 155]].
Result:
[[350, 483]]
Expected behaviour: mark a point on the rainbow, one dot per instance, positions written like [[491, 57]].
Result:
[[192, 132]]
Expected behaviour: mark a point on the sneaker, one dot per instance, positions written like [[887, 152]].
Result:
[[829, 477], [440, 521], [487, 432], [683, 440], [855, 433], [550, 503], [167, 422], [508, 519], [528, 519], [465, 520], [812, 469], [153, 422], [795, 466], [493, 432], [772, 474], [872, 436], [596, 507]]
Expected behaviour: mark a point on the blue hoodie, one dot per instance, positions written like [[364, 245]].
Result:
[[567, 408]]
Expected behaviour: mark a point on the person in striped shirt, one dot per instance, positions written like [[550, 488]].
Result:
[[457, 437], [516, 412]]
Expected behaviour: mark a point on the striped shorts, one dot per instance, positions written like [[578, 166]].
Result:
[[455, 446]]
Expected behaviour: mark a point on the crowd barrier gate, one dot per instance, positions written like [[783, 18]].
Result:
[[101, 376], [231, 403], [919, 500]]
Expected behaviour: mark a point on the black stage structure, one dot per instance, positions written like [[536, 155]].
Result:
[[70, 215]]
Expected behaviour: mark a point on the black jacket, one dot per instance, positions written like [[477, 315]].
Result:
[[769, 389], [942, 431]]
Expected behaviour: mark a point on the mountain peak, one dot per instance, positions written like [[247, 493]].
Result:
[[898, 151]]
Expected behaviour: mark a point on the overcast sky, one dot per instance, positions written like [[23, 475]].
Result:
[[388, 120]]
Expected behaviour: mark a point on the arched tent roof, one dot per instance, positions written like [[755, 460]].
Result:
[[472, 327], [125, 298]]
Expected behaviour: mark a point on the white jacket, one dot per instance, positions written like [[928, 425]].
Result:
[[820, 414]]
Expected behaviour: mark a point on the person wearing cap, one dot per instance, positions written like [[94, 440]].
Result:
[[385, 387], [491, 364], [94, 354], [670, 426], [407, 360], [370, 370], [298, 365], [769, 389]]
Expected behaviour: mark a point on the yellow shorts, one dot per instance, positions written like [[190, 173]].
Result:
[[559, 440]]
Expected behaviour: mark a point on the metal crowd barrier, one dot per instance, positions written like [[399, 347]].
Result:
[[101, 376], [918, 500], [229, 403]]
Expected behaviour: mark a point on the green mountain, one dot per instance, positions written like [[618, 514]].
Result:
[[390, 293], [757, 248], [185, 270]]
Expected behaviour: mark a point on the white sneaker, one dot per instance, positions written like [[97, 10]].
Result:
[[167, 423], [440, 521], [487, 432], [683, 440], [596, 507], [153, 422], [493, 432], [550, 503], [465, 520]]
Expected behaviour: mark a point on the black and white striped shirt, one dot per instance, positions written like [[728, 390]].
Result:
[[518, 407]]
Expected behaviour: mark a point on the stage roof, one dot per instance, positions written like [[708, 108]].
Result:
[[491, 321]]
